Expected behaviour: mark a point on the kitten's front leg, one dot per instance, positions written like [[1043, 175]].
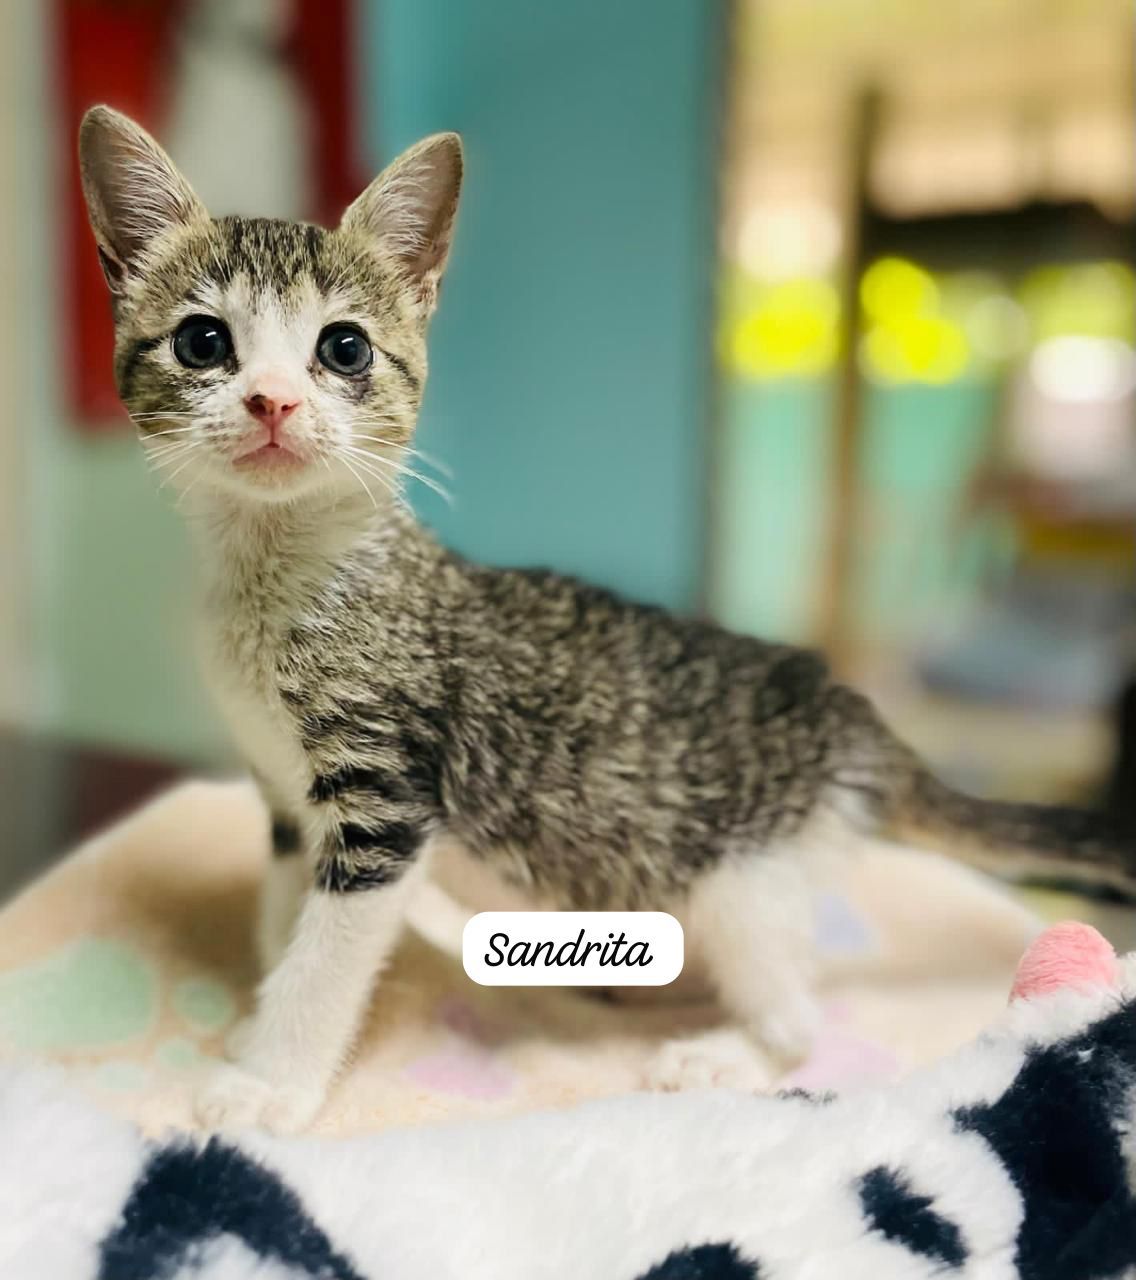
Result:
[[287, 877], [310, 1006], [286, 880]]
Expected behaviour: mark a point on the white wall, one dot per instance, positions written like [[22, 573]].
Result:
[[93, 566]]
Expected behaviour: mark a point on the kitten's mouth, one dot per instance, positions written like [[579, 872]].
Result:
[[274, 455]]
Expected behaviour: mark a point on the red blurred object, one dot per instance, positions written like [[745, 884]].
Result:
[[321, 50], [122, 52], [116, 52]]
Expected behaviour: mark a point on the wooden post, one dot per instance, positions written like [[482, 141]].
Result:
[[847, 427]]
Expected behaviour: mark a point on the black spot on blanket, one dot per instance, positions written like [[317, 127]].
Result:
[[187, 1196], [1058, 1130], [807, 1095], [704, 1262], [897, 1212]]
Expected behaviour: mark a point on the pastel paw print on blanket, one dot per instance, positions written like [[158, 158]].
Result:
[[205, 1005], [91, 994], [468, 1064], [102, 1002]]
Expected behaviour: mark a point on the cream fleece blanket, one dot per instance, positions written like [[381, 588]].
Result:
[[131, 960]]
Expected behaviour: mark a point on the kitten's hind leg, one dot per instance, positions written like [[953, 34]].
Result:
[[751, 921]]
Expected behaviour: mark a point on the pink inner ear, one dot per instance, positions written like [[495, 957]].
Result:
[[1069, 954]]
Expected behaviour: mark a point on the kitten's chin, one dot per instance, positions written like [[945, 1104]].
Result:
[[271, 481], [276, 479]]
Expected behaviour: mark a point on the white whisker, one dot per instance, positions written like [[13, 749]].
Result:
[[173, 431], [360, 479], [178, 446], [161, 458], [410, 451], [186, 490], [431, 461], [174, 474], [365, 466], [158, 467], [403, 470], [367, 469]]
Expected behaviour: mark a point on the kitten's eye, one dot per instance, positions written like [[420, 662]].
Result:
[[201, 342], [344, 350]]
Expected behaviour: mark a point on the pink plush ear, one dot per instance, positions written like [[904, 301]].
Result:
[[1069, 954]]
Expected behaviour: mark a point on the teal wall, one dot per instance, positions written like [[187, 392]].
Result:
[[570, 387], [773, 489], [917, 549], [770, 506]]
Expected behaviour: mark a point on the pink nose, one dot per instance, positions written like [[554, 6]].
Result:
[[271, 409]]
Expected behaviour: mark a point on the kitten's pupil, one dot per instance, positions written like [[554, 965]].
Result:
[[344, 350], [202, 342]]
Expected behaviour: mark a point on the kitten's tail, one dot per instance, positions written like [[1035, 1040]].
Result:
[[1050, 844], [1042, 843]]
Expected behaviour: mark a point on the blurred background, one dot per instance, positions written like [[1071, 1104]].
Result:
[[818, 316]]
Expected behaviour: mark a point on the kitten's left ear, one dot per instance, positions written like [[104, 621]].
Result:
[[410, 208]]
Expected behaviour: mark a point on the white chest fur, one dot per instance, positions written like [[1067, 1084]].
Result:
[[261, 570], [243, 684]]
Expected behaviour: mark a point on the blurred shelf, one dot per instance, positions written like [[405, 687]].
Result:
[[995, 749], [55, 794]]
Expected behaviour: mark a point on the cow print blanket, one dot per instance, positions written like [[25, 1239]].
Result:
[[1011, 1159]]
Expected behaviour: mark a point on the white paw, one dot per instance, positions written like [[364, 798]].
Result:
[[725, 1059], [789, 1033], [236, 1099]]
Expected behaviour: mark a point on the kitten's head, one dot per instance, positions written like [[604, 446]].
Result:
[[270, 359]]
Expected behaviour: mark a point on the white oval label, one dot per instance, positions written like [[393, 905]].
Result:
[[572, 948]]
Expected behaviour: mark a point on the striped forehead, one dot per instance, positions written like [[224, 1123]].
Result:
[[262, 266], [277, 258]]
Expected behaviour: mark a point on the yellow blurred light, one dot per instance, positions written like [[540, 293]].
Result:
[[909, 337], [917, 328], [926, 349], [893, 288], [1096, 299], [882, 355], [790, 332]]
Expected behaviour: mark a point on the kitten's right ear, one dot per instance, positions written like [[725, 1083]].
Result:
[[133, 191]]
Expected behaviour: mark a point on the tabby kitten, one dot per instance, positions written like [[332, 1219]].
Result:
[[389, 695]]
